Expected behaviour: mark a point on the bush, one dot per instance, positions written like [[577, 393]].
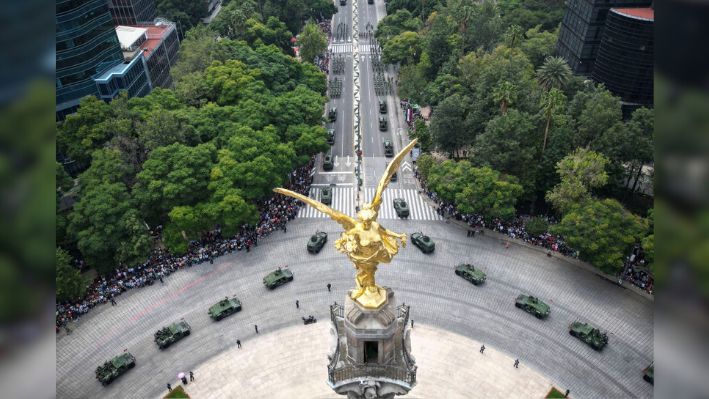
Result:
[[536, 226]]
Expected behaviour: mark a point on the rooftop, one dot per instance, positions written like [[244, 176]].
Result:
[[128, 35], [154, 34], [643, 13]]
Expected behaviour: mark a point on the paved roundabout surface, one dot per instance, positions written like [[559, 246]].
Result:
[[439, 301]]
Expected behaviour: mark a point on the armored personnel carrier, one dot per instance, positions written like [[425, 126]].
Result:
[[592, 336], [533, 305], [224, 308], [317, 242], [277, 278], [114, 368], [423, 242], [470, 273], [167, 336]]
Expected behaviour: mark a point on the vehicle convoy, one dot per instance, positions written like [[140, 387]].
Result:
[[326, 194], [277, 278], [649, 373], [331, 136], [383, 124], [309, 320], [592, 336], [401, 208], [224, 308], [382, 104], [317, 242], [332, 114], [423, 242], [533, 305], [114, 368], [388, 149], [470, 273], [167, 336], [327, 162]]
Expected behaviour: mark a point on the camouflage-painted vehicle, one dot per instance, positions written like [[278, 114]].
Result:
[[388, 149], [317, 242], [167, 336], [423, 242], [224, 308], [592, 336], [331, 136], [114, 368], [332, 114], [470, 273], [649, 373], [327, 162], [326, 194], [277, 278], [383, 124], [382, 104], [401, 208], [533, 305]]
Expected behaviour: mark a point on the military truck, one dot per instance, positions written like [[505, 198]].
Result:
[[423, 242], [224, 308], [114, 368], [592, 336], [167, 336], [277, 278], [332, 114], [383, 124], [317, 242], [327, 162], [649, 373], [533, 305], [382, 104], [331, 136], [470, 273], [388, 149], [401, 208]]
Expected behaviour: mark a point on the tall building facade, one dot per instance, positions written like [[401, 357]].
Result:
[[156, 44], [86, 46], [624, 62], [132, 12], [582, 29]]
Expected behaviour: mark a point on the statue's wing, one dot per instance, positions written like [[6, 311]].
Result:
[[388, 173], [346, 221]]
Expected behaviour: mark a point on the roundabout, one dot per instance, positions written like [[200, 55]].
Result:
[[442, 304]]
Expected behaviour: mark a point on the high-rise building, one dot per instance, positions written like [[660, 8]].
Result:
[[132, 12], [158, 45], [582, 29], [624, 62], [86, 46]]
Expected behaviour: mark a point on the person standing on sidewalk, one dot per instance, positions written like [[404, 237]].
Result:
[[191, 376], [482, 349], [516, 363], [169, 387], [328, 287], [238, 344], [297, 304]]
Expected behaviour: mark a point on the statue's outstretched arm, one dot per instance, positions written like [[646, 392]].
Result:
[[391, 169], [346, 221], [401, 236]]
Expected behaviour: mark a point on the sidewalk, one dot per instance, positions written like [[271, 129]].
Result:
[[292, 363]]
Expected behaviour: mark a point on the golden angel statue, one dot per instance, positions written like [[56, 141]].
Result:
[[364, 240]]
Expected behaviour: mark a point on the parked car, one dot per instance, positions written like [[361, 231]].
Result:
[[470, 273], [317, 242], [533, 305], [423, 242], [401, 208]]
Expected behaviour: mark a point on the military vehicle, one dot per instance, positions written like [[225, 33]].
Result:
[[343, 2], [649, 373], [589, 334], [224, 308], [332, 115], [470, 273], [388, 149], [277, 278], [326, 194], [423, 242], [533, 305], [370, 1], [401, 208], [383, 124], [382, 104], [331, 136], [114, 368], [167, 336], [327, 162], [317, 241], [309, 320]]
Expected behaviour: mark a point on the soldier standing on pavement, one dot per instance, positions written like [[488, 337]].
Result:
[[256, 328], [191, 376], [113, 301], [412, 323], [482, 348], [328, 287], [516, 363], [169, 387], [238, 344], [297, 304]]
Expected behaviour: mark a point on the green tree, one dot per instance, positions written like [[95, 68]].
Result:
[[71, 286], [402, 49], [312, 42], [513, 35], [437, 43], [412, 83], [424, 164], [580, 172], [448, 128], [602, 231], [198, 50], [421, 133], [395, 24], [231, 20], [552, 101], [554, 73], [272, 32], [504, 94], [536, 226], [539, 44], [84, 131], [160, 128], [595, 110], [185, 13]]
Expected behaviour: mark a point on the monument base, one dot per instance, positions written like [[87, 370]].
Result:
[[371, 298]]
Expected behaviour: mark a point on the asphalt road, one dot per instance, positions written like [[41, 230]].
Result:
[[426, 282]]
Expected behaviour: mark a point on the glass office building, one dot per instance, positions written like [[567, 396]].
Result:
[[131, 12]]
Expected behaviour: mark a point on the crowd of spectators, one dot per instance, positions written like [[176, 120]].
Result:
[[634, 272], [322, 61], [275, 212]]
